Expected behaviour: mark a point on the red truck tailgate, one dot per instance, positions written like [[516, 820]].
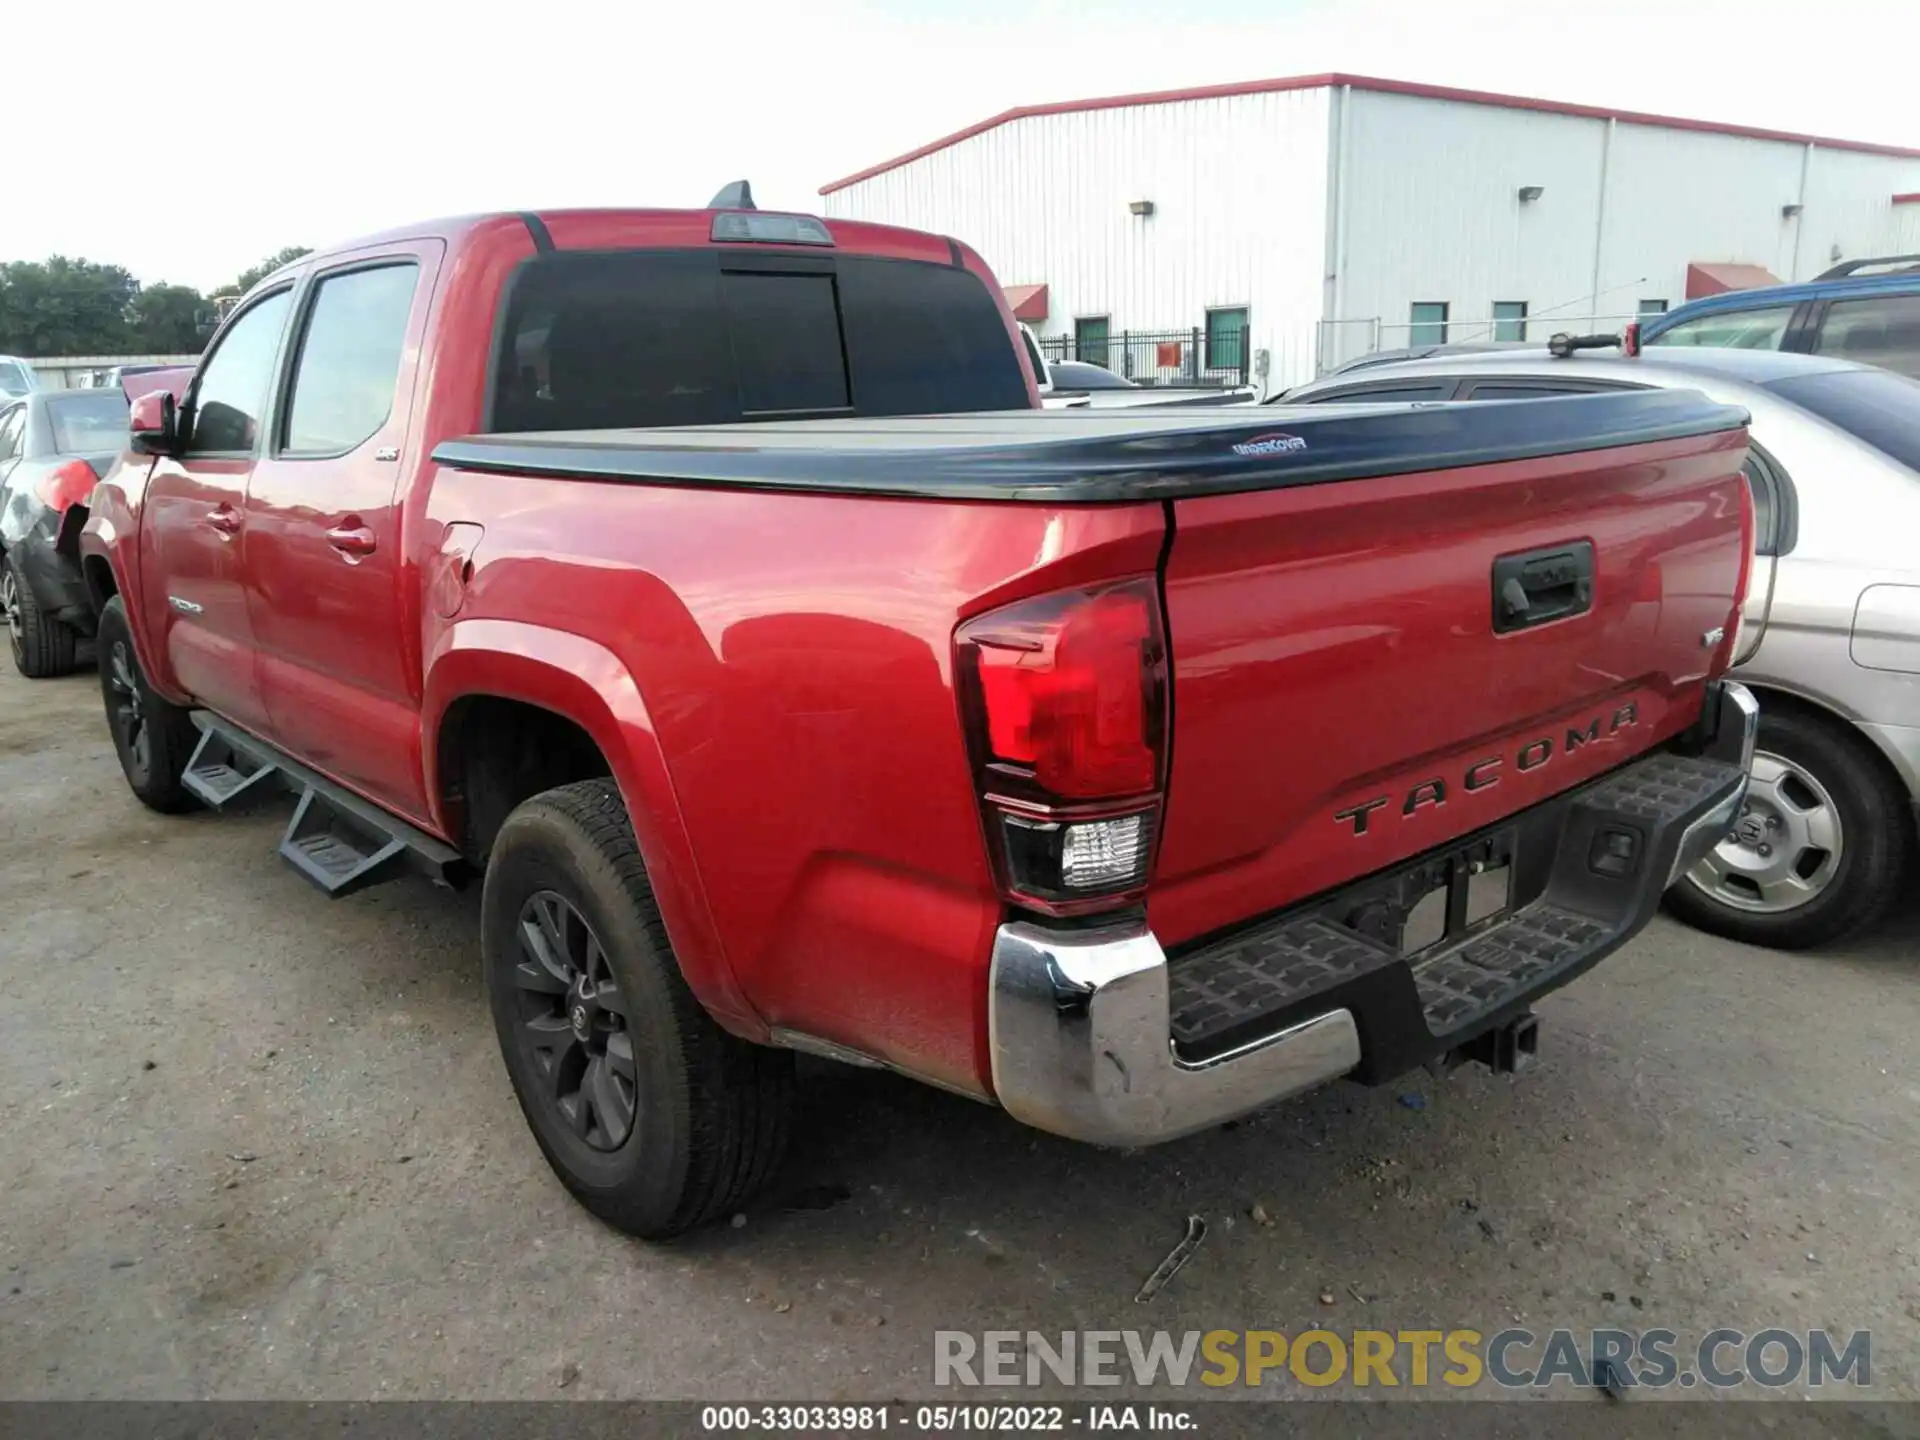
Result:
[[1342, 699]]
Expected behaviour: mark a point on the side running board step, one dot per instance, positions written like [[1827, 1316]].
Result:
[[225, 771], [337, 840]]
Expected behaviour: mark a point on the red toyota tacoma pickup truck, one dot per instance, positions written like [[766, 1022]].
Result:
[[1128, 770]]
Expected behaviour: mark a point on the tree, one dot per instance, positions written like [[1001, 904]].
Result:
[[65, 307], [166, 320], [247, 279]]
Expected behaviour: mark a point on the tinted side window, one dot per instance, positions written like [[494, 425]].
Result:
[[1759, 329], [1041, 375], [1875, 330], [1386, 395], [231, 391], [343, 382]]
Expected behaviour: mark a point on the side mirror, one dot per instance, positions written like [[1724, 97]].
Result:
[[153, 424]]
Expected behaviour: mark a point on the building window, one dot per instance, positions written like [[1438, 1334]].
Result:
[[1227, 339], [1429, 325], [1653, 307], [1509, 319], [1090, 340]]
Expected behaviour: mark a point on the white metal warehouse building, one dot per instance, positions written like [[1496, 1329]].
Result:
[[1330, 215]]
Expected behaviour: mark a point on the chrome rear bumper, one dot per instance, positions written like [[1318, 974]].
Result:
[[1079, 1030], [1081, 1022]]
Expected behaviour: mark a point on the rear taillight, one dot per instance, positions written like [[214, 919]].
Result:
[[1065, 700], [1630, 338], [69, 485]]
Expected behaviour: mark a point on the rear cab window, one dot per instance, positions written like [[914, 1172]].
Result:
[[86, 421], [648, 338], [1875, 406]]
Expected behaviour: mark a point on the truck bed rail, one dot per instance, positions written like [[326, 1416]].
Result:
[[1100, 456]]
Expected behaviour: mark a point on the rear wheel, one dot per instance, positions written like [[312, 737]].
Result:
[[654, 1117], [1817, 852], [42, 647], [153, 736]]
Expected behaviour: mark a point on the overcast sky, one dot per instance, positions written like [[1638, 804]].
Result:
[[200, 135]]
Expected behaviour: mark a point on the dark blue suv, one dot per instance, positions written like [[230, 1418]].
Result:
[[1864, 310]]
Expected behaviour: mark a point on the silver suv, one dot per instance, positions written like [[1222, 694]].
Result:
[[1830, 637]]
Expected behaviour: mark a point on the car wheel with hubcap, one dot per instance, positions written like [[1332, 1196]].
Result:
[[1818, 849], [653, 1116], [42, 647]]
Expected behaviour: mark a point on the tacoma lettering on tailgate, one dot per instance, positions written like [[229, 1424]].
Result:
[[1484, 774]]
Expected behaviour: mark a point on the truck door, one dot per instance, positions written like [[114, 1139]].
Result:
[[192, 528], [339, 640]]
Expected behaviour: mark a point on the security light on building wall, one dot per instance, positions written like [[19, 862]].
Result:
[[1141, 207], [1530, 193], [1788, 211]]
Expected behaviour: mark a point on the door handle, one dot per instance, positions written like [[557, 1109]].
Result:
[[225, 519], [352, 541]]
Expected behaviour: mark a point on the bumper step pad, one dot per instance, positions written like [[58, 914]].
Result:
[[1455, 988], [1567, 914], [1263, 972]]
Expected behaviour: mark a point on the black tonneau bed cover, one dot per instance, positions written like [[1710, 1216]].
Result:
[[1093, 456]]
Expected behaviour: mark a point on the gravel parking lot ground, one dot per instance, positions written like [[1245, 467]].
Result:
[[256, 1143]]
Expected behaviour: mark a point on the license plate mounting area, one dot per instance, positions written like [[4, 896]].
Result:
[[1438, 901]]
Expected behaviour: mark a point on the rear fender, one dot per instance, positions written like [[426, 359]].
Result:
[[584, 682]]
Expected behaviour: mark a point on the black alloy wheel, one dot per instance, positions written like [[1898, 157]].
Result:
[[574, 1022], [127, 712], [153, 737]]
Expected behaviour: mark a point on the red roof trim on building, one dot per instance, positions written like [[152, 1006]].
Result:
[[1912, 197], [1366, 82]]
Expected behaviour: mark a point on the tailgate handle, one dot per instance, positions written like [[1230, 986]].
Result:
[[1541, 585]]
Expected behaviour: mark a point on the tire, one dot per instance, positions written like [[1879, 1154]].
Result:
[[42, 646], [1867, 843], [153, 769], [683, 1121]]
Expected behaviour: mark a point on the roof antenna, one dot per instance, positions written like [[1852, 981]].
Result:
[[737, 196]]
